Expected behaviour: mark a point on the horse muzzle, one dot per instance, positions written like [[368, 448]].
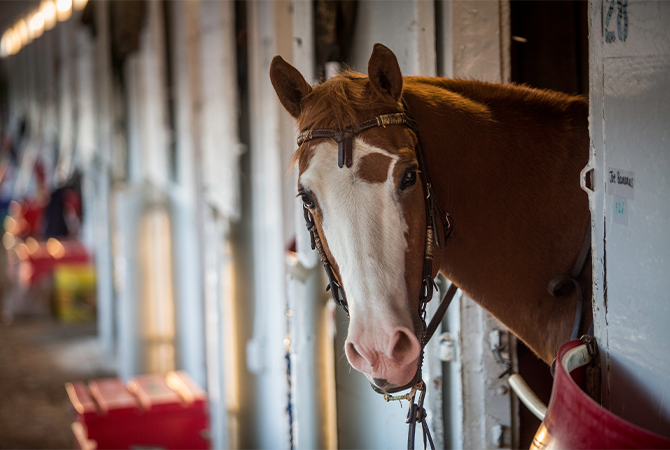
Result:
[[387, 362]]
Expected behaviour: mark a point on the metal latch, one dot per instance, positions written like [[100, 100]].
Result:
[[447, 348]]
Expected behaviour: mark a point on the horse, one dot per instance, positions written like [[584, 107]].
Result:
[[502, 161]]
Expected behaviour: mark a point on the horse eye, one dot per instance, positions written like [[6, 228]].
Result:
[[306, 199], [408, 180]]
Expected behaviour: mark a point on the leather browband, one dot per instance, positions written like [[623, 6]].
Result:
[[345, 138]]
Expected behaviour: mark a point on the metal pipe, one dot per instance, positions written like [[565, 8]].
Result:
[[527, 396]]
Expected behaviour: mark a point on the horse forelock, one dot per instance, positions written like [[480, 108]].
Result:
[[340, 102]]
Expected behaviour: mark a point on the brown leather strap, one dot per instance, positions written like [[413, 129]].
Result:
[[563, 284], [417, 413], [334, 284], [439, 314], [345, 138]]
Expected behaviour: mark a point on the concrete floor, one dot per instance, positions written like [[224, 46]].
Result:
[[37, 356]]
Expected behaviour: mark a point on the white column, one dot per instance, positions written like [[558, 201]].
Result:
[[480, 39], [154, 108], [86, 98], [219, 177], [66, 101], [146, 301], [186, 195], [220, 142], [49, 117], [100, 210], [86, 143], [266, 351]]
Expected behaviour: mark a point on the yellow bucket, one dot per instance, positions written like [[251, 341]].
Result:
[[74, 289]]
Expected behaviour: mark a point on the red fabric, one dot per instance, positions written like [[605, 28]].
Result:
[[575, 421], [152, 416], [32, 213], [43, 264]]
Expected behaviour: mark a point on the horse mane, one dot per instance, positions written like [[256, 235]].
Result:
[[535, 102], [347, 99]]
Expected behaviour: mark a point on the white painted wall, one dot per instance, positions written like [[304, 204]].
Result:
[[407, 27], [630, 111]]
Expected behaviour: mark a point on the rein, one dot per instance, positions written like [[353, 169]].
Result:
[[344, 139]]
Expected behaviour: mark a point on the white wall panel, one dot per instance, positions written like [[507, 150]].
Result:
[[630, 110], [407, 27]]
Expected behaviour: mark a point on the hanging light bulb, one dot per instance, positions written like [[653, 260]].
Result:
[[21, 28], [16, 41], [63, 10], [36, 25], [11, 42], [48, 10], [79, 4], [6, 44]]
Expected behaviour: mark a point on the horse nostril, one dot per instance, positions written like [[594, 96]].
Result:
[[405, 347], [356, 359], [363, 361], [351, 351]]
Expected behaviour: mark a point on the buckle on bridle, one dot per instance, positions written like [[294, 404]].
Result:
[[409, 396]]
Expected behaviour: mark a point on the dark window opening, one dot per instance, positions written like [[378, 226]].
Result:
[[550, 45]]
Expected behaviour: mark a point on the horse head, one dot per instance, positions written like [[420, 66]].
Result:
[[369, 212]]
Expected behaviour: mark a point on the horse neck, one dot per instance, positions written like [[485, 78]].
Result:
[[505, 164]]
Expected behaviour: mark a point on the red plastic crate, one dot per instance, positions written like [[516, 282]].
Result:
[[150, 411]]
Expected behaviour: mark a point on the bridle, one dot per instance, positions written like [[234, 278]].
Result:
[[558, 286], [344, 139]]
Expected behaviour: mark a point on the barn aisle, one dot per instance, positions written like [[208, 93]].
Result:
[[37, 356]]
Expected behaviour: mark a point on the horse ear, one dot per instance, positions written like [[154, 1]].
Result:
[[289, 84], [384, 72]]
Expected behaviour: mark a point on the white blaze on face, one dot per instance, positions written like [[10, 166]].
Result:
[[364, 226]]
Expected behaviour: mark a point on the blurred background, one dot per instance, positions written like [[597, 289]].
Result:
[[150, 223]]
